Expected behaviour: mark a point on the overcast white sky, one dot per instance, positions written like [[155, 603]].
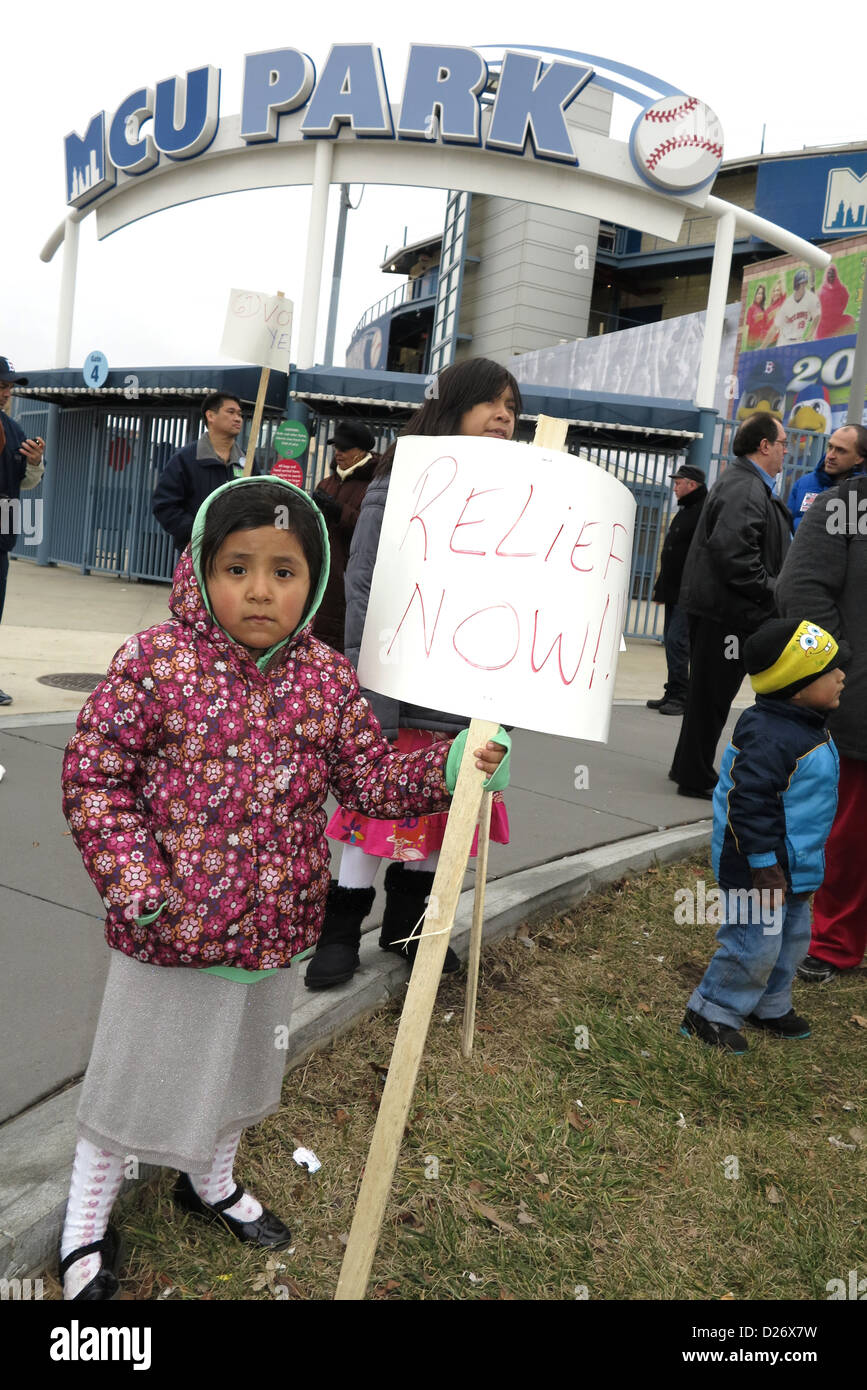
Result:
[[156, 292]]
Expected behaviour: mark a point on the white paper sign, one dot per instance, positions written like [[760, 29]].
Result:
[[258, 329], [501, 585]]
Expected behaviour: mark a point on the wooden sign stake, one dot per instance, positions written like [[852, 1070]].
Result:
[[421, 993], [415, 1020], [257, 414], [476, 929]]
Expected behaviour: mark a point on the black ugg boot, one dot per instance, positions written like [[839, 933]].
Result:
[[336, 957], [406, 895]]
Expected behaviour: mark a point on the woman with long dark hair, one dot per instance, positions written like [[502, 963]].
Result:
[[479, 398]]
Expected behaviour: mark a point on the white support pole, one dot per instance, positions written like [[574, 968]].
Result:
[[769, 231], [716, 308], [323, 160], [63, 344]]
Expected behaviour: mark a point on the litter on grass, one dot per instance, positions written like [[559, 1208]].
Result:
[[306, 1158]]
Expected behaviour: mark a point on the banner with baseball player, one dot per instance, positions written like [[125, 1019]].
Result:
[[796, 338]]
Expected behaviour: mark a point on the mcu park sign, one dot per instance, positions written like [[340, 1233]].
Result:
[[459, 118]]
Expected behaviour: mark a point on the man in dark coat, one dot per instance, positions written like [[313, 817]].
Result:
[[339, 497], [690, 491], [825, 579], [198, 469], [727, 590], [16, 454]]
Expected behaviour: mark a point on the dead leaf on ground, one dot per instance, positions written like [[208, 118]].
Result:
[[542, 1178], [341, 1116], [773, 1194], [380, 1070], [476, 1187], [576, 1119], [643, 1008], [488, 1212], [858, 1134], [294, 1290], [489, 1070], [388, 1287], [524, 1216], [859, 1019]]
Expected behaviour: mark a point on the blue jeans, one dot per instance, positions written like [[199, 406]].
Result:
[[753, 970], [675, 635]]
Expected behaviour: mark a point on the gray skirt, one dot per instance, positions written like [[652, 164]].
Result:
[[182, 1058]]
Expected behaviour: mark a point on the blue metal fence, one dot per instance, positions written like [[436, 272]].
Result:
[[106, 468]]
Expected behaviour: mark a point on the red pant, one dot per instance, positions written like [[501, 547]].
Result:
[[840, 905]]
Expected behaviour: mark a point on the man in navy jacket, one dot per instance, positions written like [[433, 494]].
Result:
[[845, 455], [198, 469], [16, 452]]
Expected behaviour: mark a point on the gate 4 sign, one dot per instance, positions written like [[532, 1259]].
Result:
[[258, 329], [501, 585]]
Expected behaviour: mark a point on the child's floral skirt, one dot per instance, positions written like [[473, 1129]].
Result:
[[415, 837]]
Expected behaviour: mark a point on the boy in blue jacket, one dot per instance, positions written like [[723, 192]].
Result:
[[773, 807]]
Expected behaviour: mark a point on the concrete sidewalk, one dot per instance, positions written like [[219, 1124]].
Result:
[[580, 813]]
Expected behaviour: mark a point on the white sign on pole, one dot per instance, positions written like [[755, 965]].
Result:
[[501, 585], [258, 329]]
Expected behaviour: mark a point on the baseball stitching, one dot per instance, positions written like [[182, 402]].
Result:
[[689, 105], [695, 142]]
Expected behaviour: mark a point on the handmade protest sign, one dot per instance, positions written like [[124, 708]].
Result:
[[258, 329], [501, 584]]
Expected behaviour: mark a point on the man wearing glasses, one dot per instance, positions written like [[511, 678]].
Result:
[[738, 550], [17, 454]]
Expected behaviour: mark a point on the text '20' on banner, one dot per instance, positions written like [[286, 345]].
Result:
[[501, 585], [258, 329]]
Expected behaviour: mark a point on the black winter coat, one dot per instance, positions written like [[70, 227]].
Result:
[[676, 545], [183, 485], [738, 550], [349, 494], [824, 580], [13, 466]]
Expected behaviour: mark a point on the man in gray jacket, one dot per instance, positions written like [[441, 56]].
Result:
[[824, 580]]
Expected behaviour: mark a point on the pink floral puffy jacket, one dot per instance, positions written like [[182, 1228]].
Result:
[[196, 780]]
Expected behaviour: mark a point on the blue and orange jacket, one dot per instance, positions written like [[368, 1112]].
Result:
[[776, 796]]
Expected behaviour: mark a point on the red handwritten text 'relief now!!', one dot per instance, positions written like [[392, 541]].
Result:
[[512, 537]]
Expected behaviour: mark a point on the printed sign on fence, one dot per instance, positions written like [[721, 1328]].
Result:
[[258, 329], [501, 585]]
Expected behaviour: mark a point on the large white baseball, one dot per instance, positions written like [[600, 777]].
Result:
[[677, 143]]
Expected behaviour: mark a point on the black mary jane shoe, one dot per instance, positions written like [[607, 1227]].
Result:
[[104, 1284], [266, 1230]]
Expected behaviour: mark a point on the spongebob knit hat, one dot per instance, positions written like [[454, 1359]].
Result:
[[784, 656]]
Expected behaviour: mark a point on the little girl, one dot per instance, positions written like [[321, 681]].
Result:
[[478, 398], [194, 787]]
